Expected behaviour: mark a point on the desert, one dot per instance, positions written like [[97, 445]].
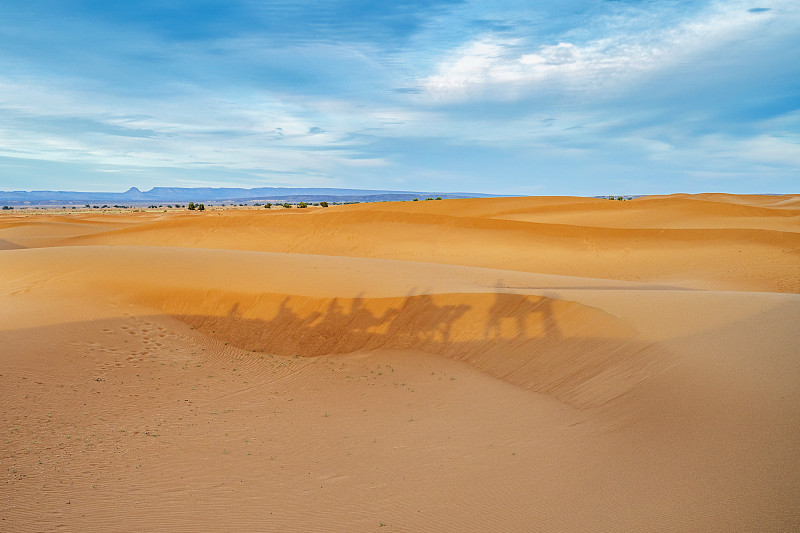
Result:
[[491, 364]]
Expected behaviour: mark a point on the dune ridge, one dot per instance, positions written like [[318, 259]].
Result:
[[636, 247]]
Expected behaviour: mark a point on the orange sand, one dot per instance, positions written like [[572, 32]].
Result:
[[512, 364]]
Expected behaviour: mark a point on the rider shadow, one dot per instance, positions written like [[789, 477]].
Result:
[[423, 323], [437, 323], [363, 321], [516, 316]]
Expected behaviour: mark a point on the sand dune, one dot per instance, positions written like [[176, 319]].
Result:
[[701, 243], [517, 364]]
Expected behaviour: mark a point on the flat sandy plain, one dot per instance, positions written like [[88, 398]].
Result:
[[511, 364]]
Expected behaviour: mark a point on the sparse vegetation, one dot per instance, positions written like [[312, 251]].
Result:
[[323, 204], [302, 205]]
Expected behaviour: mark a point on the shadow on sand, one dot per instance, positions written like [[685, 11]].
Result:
[[579, 354]]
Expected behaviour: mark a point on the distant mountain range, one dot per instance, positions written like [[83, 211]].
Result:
[[211, 195]]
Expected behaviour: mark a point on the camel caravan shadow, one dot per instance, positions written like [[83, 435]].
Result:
[[579, 354]]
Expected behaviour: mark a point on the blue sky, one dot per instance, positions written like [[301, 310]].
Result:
[[579, 97]]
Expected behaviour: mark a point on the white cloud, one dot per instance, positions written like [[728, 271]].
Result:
[[769, 149], [253, 132], [718, 156], [503, 69], [367, 162]]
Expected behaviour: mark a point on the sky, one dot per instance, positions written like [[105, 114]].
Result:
[[517, 97]]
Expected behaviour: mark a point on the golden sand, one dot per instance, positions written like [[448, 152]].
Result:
[[509, 364]]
